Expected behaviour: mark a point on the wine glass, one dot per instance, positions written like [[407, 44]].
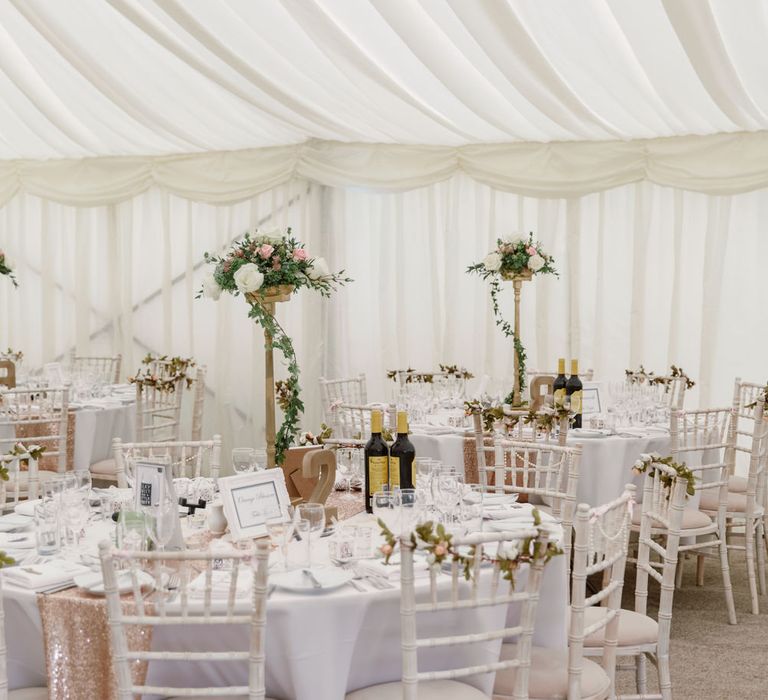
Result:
[[76, 511], [161, 522], [280, 532], [347, 468], [314, 513], [243, 459]]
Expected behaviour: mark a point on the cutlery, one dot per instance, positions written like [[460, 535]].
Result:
[[30, 570], [356, 585], [312, 578]]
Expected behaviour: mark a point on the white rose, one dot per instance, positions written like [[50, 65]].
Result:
[[211, 287], [492, 262], [248, 278], [10, 263], [535, 262], [514, 239], [318, 269]]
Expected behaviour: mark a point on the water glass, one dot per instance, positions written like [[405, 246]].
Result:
[[314, 514], [384, 509], [131, 531], [363, 541], [161, 522], [260, 459], [342, 545], [410, 505], [47, 531], [280, 532], [76, 511], [243, 459], [297, 552]]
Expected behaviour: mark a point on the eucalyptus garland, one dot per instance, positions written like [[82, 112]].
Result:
[[509, 332], [645, 461], [289, 390]]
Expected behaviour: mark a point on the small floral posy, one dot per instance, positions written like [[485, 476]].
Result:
[[6, 268], [515, 256], [645, 461], [177, 369], [310, 438], [257, 264]]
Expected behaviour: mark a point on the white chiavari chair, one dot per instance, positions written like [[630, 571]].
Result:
[[198, 404], [106, 368], [518, 427], [671, 391], [745, 395], [158, 412], [639, 635], [600, 547], [188, 605], [351, 390], [39, 417], [18, 693], [703, 436], [351, 421], [190, 459], [486, 590], [545, 473], [11, 491], [748, 509]]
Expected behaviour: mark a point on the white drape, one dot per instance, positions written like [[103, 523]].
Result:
[[717, 164], [647, 274]]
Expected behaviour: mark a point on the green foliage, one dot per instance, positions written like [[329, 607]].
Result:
[[177, 369], [7, 271], [667, 480]]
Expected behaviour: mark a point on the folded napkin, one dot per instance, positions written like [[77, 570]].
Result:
[[505, 511], [377, 567], [220, 583], [26, 508], [42, 577], [14, 521], [17, 540]]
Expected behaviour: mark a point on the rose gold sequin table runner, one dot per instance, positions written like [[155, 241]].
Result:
[[78, 647]]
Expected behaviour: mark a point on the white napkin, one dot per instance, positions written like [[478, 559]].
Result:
[[17, 540], [377, 567], [505, 511], [220, 583], [41, 577], [14, 521], [26, 507]]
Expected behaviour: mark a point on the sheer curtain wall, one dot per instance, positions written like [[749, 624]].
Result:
[[647, 274]]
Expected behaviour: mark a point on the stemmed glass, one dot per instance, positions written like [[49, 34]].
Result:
[[347, 466], [280, 532], [75, 509], [314, 513], [161, 522], [243, 459]]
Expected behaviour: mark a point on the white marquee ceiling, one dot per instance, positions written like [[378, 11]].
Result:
[[150, 77]]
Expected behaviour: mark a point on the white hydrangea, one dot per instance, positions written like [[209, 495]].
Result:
[[536, 262], [492, 262], [248, 278]]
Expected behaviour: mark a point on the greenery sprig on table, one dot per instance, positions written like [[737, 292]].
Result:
[[437, 542], [6, 268], [641, 466], [13, 355], [177, 369], [515, 255], [253, 266]]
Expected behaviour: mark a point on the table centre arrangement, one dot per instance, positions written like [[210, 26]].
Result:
[[267, 268], [518, 259]]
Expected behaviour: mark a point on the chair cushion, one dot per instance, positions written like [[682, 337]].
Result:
[[737, 502], [692, 517], [548, 679], [28, 694], [737, 484], [428, 690], [107, 467], [634, 628]]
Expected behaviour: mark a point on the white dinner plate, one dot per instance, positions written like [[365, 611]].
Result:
[[94, 584], [589, 433], [14, 521], [296, 582]]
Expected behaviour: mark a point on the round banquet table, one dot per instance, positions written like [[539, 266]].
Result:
[[605, 468], [318, 647]]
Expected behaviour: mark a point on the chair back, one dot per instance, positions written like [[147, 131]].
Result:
[[601, 541], [351, 390], [756, 447], [190, 459], [664, 497], [672, 391], [486, 591], [106, 368], [11, 491], [351, 421], [198, 404], [745, 396], [520, 427], [37, 416], [193, 603], [158, 411]]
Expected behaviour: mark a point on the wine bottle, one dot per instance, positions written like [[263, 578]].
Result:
[[376, 462], [559, 386], [573, 389], [402, 456]]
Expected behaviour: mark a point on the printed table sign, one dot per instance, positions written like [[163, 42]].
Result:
[[250, 500]]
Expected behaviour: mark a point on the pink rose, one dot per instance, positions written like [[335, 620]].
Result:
[[300, 254], [240, 254], [531, 250], [266, 250], [439, 550], [386, 549]]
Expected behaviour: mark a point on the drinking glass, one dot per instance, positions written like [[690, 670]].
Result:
[[347, 468], [76, 511], [384, 509], [260, 459], [297, 552], [471, 513], [53, 487], [47, 531], [243, 459], [83, 481], [410, 505], [161, 522], [280, 532], [314, 513]]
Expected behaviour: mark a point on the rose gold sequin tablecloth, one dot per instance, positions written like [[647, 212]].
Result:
[[78, 646]]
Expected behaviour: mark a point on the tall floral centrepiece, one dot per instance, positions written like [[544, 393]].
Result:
[[266, 268], [517, 258], [6, 268]]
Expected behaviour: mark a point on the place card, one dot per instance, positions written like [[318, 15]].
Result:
[[590, 398], [251, 499], [150, 484]]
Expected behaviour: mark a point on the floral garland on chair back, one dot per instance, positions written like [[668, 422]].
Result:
[[275, 265], [515, 257]]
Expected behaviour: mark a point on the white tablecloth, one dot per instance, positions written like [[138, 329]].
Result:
[[95, 428], [606, 463], [318, 646]]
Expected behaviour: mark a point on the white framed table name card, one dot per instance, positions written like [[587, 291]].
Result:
[[251, 499]]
